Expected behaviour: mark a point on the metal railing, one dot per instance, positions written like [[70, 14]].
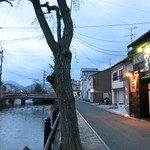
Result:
[[50, 129]]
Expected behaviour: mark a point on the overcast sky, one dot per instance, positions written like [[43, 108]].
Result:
[[102, 31]]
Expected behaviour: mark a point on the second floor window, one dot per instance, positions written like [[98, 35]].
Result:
[[115, 76]]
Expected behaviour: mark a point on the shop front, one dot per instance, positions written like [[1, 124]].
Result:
[[139, 78]]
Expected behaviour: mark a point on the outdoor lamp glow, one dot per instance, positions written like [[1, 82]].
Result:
[[139, 50], [147, 50], [129, 73], [91, 90]]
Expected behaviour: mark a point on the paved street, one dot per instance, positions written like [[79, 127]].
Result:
[[119, 133]]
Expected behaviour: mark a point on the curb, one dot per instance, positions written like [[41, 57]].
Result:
[[104, 144]]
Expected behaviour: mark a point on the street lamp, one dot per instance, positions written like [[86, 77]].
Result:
[[92, 90]]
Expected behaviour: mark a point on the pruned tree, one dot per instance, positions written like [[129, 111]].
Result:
[[70, 139]]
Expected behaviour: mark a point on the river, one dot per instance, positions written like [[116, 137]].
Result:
[[23, 125]]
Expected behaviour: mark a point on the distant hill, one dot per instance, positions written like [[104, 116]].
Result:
[[14, 83], [28, 88]]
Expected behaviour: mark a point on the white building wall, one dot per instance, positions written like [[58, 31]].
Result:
[[84, 89], [90, 88], [117, 83]]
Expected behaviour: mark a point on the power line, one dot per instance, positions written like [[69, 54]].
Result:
[[93, 26], [98, 49], [86, 56], [125, 6], [112, 25], [101, 39], [20, 28], [23, 76], [19, 40], [104, 12]]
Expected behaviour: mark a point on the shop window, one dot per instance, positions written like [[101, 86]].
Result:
[[115, 76]]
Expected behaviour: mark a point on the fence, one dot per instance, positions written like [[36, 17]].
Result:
[[50, 129]]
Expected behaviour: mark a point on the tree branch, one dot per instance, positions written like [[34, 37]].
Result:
[[7, 2], [68, 25], [44, 25], [49, 9]]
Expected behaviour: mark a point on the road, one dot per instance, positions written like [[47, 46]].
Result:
[[119, 133]]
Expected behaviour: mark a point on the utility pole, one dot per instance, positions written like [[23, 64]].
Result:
[[44, 76], [131, 32], [1, 52]]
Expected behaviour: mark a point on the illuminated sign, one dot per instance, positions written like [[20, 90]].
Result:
[[142, 57], [133, 85], [142, 62], [147, 62]]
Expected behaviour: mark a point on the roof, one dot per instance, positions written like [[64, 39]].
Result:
[[127, 59], [88, 69], [140, 40]]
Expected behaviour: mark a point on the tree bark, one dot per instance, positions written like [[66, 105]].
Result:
[[69, 128]]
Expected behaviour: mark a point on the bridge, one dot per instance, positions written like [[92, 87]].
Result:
[[36, 98]]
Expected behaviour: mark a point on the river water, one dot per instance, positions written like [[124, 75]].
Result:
[[23, 125]]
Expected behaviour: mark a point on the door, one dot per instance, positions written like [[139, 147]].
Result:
[[121, 96]]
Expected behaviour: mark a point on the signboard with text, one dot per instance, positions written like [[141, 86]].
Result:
[[141, 61], [132, 85]]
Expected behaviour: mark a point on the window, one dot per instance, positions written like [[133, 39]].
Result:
[[120, 74], [115, 76]]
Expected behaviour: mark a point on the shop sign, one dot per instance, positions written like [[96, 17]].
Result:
[[132, 85], [147, 62], [142, 61]]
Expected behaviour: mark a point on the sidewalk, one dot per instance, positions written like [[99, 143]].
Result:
[[112, 108], [89, 138]]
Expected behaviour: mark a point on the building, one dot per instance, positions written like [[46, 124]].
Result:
[[139, 78], [120, 85], [84, 75], [76, 87], [99, 87], [9, 88]]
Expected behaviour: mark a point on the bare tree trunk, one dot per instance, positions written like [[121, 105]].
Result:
[[69, 127]]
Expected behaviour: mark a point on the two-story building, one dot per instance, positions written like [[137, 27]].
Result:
[[84, 75], [139, 78], [120, 85]]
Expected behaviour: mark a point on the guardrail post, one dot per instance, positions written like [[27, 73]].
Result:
[[57, 108], [47, 129], [54, 116]]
